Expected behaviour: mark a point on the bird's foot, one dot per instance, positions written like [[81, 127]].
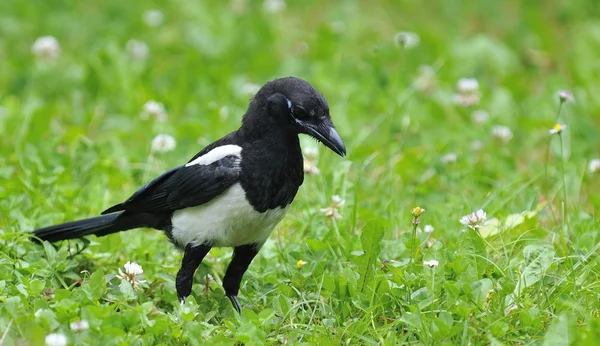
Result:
[[236, 303]]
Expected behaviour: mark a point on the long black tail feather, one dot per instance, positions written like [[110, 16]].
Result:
[[99, 226]]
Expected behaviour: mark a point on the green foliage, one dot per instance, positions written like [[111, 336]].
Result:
[[74, 143]]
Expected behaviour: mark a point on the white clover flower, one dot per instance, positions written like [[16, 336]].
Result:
[[153, 18], [310, 161], [467, 85], [428, 229], [431, 263], [154, 109], [474, 220], [448, 158], [565, 96], [249, 89], [332, 211], [503, 133], [594, 166], [79, 326], [557, 128], [138, 49], [46, 47], [407, 40], [132, 270], [467, 100], [477, 145], [56, 339], [480, 116], [426, 80], [468, 92], [274, 6]]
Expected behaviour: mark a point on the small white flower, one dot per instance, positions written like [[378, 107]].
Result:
[[480, 116], [310, 161], [475, 219], [163, 143], [468, 92], [431, 263], [448, 158], [594, 166], [467, 85], [132, 270], [407, 40], [467, 100], [46, 47], [79, 326], [310, 153], [477, 145], [503, 133], [137, 49], [153, 18], [56, 339], [337, 201], [558, 128], [428, 229], [332, 211], [273, 6], [154, 109], [426, 80], [565, 96], [249, 89]]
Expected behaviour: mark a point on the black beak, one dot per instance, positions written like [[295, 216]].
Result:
[[327, 135]]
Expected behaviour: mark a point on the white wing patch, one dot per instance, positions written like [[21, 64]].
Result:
[[216, 154]]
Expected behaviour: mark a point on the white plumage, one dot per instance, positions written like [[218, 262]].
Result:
[[228, 220], [217, 154]]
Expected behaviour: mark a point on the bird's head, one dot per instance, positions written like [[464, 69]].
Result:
[[292, 104]]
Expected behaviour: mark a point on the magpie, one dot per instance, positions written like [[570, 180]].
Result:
[[232, 193]]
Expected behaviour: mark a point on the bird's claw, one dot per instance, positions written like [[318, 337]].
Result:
[[236, 303]]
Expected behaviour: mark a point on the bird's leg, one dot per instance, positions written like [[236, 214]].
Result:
[[242, 256], [192, 257]]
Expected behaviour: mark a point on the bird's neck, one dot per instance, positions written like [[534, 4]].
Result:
[[273, 163]]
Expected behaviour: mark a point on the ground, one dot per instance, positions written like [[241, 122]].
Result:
[[417, 89]]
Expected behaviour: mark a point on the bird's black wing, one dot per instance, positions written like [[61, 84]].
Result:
[[182, 187]]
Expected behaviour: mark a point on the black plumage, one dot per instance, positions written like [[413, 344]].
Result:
[[233, 192]]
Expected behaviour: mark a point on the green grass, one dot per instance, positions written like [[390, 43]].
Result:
[[73, 143]]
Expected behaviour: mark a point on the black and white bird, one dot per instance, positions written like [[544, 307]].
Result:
[[232, 193]]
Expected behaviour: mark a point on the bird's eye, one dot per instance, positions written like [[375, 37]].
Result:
[[300, 113]]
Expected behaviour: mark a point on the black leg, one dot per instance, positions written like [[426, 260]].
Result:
[[242, 256], [192, 257]]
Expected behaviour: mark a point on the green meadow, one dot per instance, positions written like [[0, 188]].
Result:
[[447, 105]]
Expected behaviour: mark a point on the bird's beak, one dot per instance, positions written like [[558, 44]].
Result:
[[327, 135]]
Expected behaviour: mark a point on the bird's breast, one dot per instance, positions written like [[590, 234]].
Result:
[[228, 220]]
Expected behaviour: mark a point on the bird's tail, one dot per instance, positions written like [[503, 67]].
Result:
[[99, 226]]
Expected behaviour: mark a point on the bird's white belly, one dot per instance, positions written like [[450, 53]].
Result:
[[227, 221]]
